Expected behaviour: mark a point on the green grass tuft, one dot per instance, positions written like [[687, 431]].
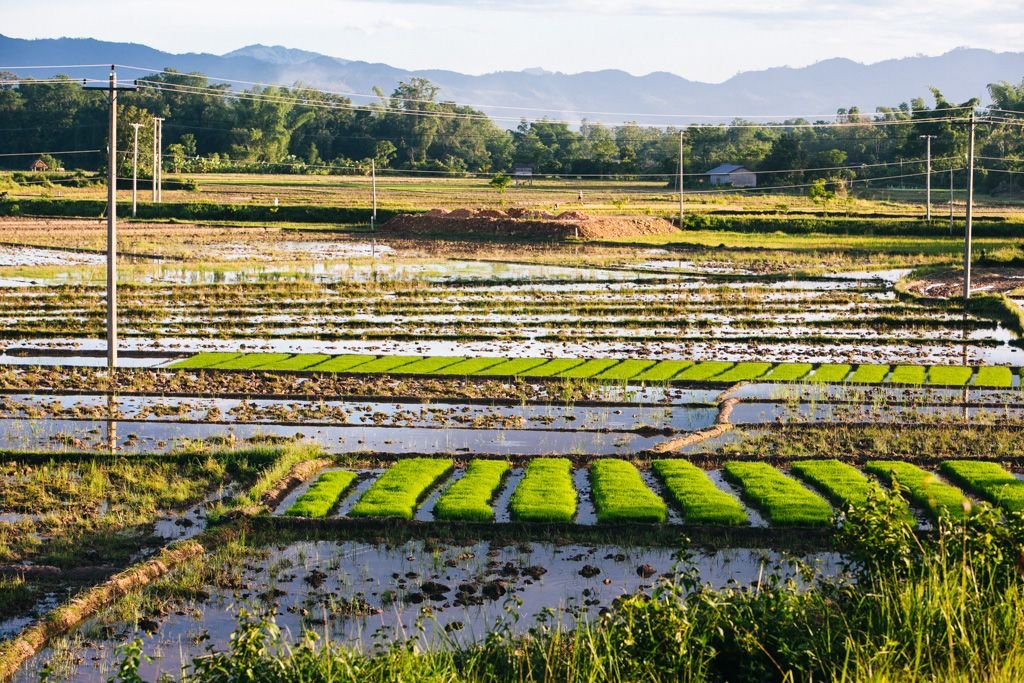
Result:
[[693, 491], [469, 499], [783, 500], [323, 495], [546, 493], [923, 487], [620, 494], [989, 480], [401, 488]]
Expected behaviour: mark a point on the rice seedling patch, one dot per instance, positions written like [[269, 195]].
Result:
[[546, 493], [785, 501], [788, 372], [870, 374], [470, 366], [205, 359], [401, 488], [693, 491], [949, 375], [299, 361], [923, 488], [703, 371], [663, 371], [386, 364], [742, 372], [513, 367], [554, 368], [993, 376], [588, 368], [251, 361], [323, 495], [620, 494], [431, 365], [831, 373], [627, 369], [988, 480], [469, 499], [908, 374], [342, 363]]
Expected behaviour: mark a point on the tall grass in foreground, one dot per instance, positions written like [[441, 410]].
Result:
[[946, 607]]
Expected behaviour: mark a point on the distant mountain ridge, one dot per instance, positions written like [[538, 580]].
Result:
[[610, 96]]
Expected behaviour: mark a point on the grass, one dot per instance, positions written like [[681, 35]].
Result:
[[342, 363], [991, 376], [923, 487], [947, 375], [204, 359], [469, 499], [620, 494], [831, 373], [401, 488], [742, 372], [546, 493], [299, 361], [588, 368], [784, 500], [703, 371], [513, 367], [663, 371], [323, 495], [554, 368], [700, 500], [989, 480], [788, 372], [908, 374], [627, 369], [431, 365], [870, 374], [386, 364]]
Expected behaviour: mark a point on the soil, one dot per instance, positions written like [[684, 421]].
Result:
[[950, 283], [523, 224]]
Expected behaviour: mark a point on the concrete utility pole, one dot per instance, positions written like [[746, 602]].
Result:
[[680, 179], [157, 128], [373, 185], [135, 170], [950, 201], [928, 176], [970, 211]]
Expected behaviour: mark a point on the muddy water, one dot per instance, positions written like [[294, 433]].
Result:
[[369, 596]]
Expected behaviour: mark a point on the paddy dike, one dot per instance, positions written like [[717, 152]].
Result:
[[522, 224]]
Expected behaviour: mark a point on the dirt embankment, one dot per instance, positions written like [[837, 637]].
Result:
[[523, 224], [950, 283]]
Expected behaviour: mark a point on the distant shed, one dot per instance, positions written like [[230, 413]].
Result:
[[732, 174], [39, 165]]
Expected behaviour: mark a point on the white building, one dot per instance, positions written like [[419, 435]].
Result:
[[731, 174]]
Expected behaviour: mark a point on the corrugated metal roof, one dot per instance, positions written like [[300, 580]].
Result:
[[725, 169]]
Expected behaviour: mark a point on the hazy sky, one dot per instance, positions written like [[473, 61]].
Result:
[[705, 40]]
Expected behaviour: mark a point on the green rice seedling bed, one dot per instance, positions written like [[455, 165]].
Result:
[[252, 361], [788, 372], [431, 365], [693, 491], [205, 359], [703, 371], [663, 371], [554, 368], [513, 367], [470, 366], [546, 493], [401, 488], [989, 480], [387, 364], [785, 501], [469, 499], [627, 369], [743, 372], [299, 361], [831, 373], [588, 368], [993, 376], [342, 363], [842, 484], [923, 487], [908, 374], [620, 494], [870, 374], [323, 495], [946, 375]]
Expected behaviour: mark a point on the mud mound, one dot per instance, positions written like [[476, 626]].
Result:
[[524, 224]]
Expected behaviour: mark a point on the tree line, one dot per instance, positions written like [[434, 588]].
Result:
[[209, 127]]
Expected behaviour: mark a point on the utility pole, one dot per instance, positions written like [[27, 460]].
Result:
[[950, 201], [928, 177], [680, 179], [157, 129], [373, 185], [970, 212], [112, 88], [135, 170]]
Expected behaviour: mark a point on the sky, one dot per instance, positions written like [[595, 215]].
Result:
[[705, 41]]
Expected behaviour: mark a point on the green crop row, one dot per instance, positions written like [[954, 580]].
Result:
[[469, 499], [988, 480], [608, 369], [784, 501], [923, 487], [323, 495], [844, 485], [401, 488], [620, 494], [546, 493], [692, 490]]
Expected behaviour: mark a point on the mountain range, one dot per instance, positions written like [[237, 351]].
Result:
[[609, 96]]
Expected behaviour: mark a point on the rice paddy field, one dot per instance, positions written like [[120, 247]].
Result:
[[458, 459]]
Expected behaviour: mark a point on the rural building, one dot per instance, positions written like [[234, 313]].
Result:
[[39, 165], [731, 174], [522, 174]]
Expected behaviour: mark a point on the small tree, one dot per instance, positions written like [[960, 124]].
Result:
[[500, 182]]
